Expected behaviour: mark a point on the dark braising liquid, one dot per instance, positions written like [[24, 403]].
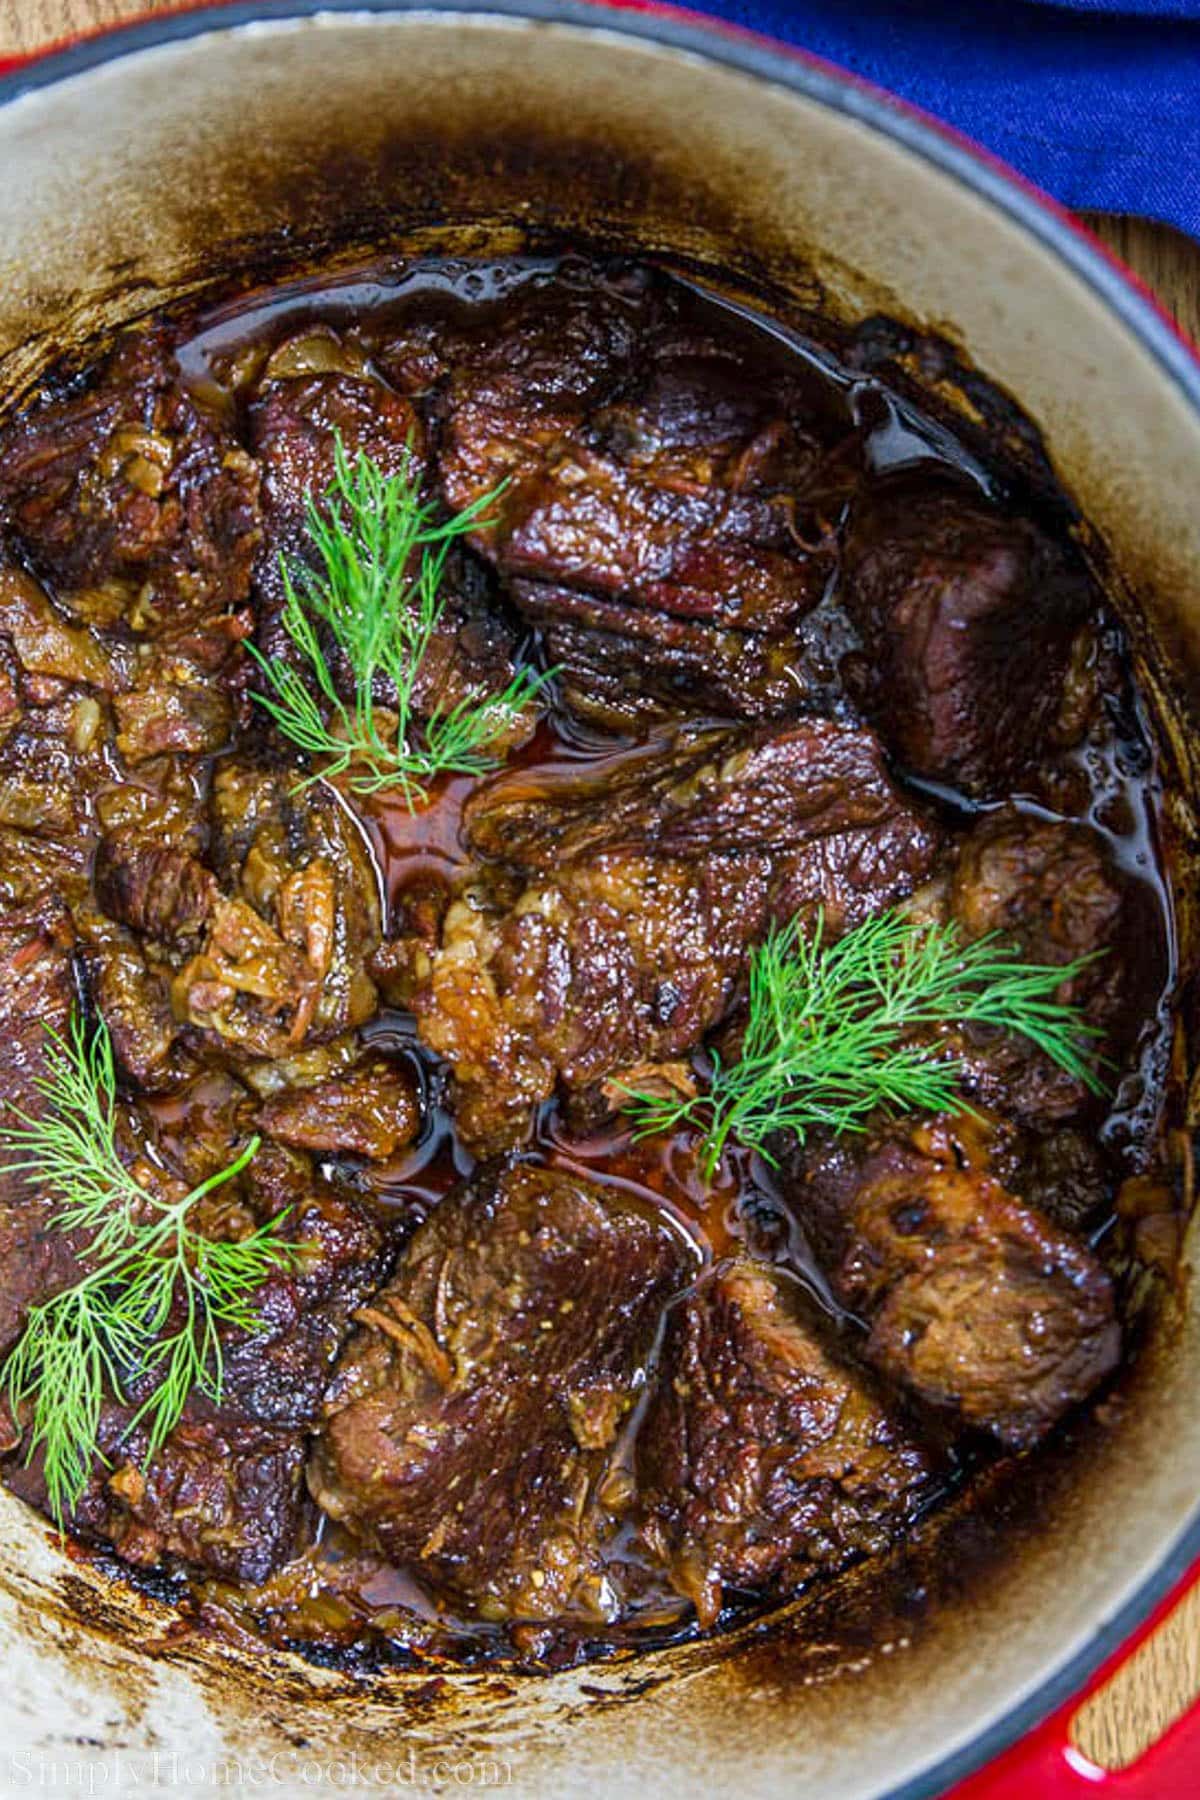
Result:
[[338, 1596]]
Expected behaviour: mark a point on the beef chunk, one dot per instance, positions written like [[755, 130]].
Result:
[[37, 992], [974, 1301], [222, 1493], [285, 947], [314, 388], [620, 668], [277, 1374], [45, 643], [225, 1490], [371, 1111], [1045, 884], [766, 1457], [968, 620], [473, 1416], [129, 497], [609, 925], [1050, 889], [185, 694], [652, 512], [29, 866], [130, 993], [154, 888]]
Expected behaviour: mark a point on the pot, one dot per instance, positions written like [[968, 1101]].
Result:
[[152, 165]]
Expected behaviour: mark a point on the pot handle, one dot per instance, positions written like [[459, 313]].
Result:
[[1046, 1765]]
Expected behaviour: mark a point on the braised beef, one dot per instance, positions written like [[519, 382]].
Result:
[[130, 498], [474, 1412], [154, 888], [225, 1492], [38, 988], [661, 508], [283, 960], [766, 1457], [372, 1111], [968, 620], [974, 1301], [1049, 889], [812, 658], [610, 922], [314, 389]]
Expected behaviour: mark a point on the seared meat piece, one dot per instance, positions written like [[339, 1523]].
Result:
[[152, 887], [30, 866], [45, 643], [651, 512], [222, 1493], [53, 748], [974, 1301], [225, 1491], [1051, 889], [471, 1420], [130, 993], [610, 923], [560, 350], [968, 621], [284, 954], [1061, 1174], [617, 667], [37, 991], [314, 387], [130, 498], [184, 695], [278, 1374], [1042, 883], [372, 1111], [765, 1456]]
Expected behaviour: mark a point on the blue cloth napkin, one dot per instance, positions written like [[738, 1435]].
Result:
[[1097, 101]]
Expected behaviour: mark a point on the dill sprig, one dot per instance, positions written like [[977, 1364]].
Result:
[[831, 1028], [144, 1267], [375, 589]]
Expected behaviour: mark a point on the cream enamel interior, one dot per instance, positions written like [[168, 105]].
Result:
[[133, 181]]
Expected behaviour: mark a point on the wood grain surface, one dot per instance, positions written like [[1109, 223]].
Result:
[[1154, 1686]]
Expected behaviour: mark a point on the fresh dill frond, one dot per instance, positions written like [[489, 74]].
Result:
[[832, 1031], [375, 590], [145, 1269]]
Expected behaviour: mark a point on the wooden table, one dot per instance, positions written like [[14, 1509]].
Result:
[[1156, 1684]]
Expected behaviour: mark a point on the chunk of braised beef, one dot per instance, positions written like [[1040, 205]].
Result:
[[47, 643], [225, 1490], [37, 992], [618, 668], [278, 1373], [968, 620], [766, 1457], [315, 388], [1049, 889], [223, 1493], [371, 1111], [610, 921], [975, 1303], [129, 496], [660, 499], [186, 692], [152, 887], [283, 960], [471, 1423]]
